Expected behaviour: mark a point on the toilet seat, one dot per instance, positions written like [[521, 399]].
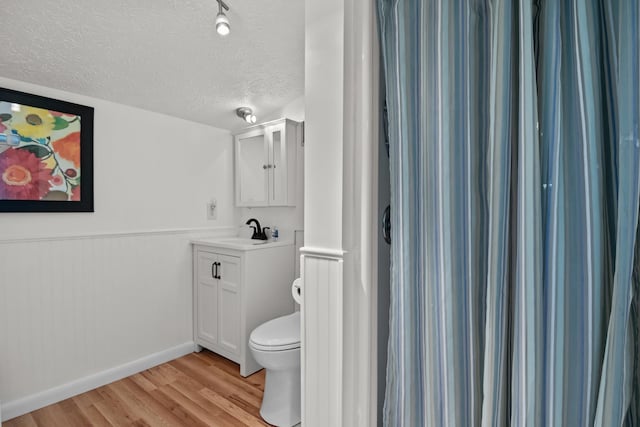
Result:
[[279, 334]]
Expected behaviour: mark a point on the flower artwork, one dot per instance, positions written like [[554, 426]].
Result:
[[43, 166]]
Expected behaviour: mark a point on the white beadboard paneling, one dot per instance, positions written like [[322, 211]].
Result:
[[322, 345], [73, 308]]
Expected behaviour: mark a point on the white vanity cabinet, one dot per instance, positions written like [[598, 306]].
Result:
[[235, 290], [265, 164], [218, 302]]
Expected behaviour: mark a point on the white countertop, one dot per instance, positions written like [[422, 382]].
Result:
[[240, 243]]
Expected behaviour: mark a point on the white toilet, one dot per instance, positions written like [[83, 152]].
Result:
[[276, 346]]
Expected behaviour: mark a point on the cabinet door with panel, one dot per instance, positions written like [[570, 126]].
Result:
[[207, 301], [265, 164], [252, 172], [229, 304], [277, 166]]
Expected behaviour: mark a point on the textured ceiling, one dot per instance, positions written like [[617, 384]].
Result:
[[160, 55]]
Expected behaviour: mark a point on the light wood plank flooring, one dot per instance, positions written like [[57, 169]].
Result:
[[200, 389]]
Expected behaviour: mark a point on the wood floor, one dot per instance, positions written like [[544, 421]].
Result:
[[200, 389]]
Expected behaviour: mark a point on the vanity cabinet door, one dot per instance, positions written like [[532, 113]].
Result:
[[229, 304], [207, 299]]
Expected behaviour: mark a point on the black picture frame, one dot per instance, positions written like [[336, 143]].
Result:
[[85, 180]]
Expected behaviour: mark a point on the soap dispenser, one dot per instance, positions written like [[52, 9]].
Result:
[[275, 234]]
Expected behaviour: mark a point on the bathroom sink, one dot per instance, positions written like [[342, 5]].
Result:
[[239, 243], [243, 241]]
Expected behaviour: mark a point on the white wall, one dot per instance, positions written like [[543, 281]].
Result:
[[152, 171], [83, 293], [323, 109]]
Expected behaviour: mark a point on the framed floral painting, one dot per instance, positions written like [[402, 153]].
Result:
[[46, 154]]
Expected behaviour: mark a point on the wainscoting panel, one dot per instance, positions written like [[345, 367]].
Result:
[[321, 337], [75, 307]]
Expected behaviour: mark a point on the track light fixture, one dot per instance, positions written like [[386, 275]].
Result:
[[222, 22], [246, 114]]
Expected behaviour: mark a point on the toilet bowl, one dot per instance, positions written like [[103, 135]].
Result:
[[276, 346]]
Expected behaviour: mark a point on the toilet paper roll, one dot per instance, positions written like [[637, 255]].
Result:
[[296, 290]]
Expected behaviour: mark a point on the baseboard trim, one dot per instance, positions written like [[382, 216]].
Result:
[[21, 406]]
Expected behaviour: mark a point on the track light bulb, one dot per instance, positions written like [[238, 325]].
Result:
[[246, 114], [222, 24]]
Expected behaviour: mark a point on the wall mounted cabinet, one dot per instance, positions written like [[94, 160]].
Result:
[[235, 291], [265, 164]]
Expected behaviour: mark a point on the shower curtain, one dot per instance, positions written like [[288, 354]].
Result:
[[515, 176]]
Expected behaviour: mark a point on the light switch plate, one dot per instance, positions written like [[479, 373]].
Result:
[[212, 209]]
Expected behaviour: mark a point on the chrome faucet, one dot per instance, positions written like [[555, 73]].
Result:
[[258, 233]]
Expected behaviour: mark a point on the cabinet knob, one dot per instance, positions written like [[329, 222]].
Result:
[[264, 166]]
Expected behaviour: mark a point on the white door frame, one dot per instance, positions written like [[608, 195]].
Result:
[[339, 260]]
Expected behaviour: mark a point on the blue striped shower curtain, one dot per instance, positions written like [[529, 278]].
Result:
[[515, 176]]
